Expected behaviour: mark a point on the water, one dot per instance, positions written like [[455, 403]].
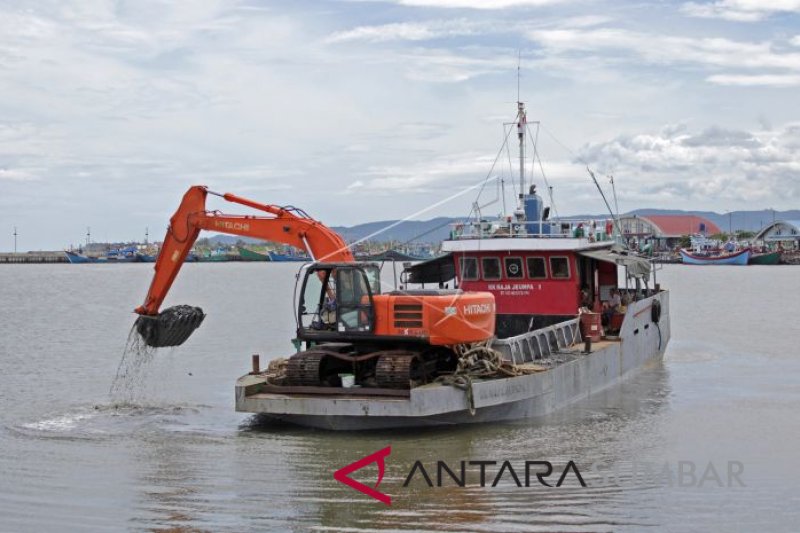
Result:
[[171, 454]]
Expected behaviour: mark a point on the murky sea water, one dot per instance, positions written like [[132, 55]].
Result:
[[171, 453]]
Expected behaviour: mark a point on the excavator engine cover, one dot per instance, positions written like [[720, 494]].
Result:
[[171, 327]]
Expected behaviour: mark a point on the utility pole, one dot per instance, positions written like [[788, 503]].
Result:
[[15, 239]]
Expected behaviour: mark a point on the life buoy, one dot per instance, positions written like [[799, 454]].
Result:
[[655, 311]]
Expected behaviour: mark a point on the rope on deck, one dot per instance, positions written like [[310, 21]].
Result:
[[479, 360]]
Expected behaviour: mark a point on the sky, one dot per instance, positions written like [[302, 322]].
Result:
[[372, 110]]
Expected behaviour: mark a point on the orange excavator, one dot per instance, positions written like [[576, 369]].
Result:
[[346, 323]]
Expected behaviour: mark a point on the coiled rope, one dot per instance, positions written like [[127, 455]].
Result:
[[480, 361]]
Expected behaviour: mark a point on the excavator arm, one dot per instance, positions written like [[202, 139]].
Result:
[[286, 225]]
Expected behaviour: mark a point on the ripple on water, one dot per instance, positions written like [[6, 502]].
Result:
[[105, 421]]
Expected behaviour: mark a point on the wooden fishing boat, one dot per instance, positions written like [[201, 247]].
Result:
[[734, 258], [768, 258], [250, 255]]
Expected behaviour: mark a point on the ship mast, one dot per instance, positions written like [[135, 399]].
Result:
[[521, 126]]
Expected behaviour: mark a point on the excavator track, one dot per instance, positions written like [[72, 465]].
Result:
[[397, 370], [304, 368]]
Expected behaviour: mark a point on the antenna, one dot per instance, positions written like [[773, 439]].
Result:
[[616, 204], [15, 239], [594, 179], [88, 236], [519, 70]]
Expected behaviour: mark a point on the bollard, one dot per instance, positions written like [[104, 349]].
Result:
[[256, 365], [587, 345]]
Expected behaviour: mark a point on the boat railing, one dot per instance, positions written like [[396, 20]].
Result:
[[539, 344], [560, 229]]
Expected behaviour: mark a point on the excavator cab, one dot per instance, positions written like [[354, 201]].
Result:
[[336, 301]]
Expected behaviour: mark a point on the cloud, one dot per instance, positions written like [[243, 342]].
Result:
[[478, 4], [758, 80], [740, 10], [16, 175], [451, 66], [443, 173], [678, 166], [667, 49], [407, 31]]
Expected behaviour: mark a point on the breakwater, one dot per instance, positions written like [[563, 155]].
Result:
[[33, 257]]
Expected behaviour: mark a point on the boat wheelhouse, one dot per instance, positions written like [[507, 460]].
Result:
[[541, 271]]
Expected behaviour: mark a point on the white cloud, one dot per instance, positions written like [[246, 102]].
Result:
[[667, 49], [757, 80], [478, 4], [407, 31], [441, 173], [740, 10], [443, 65], [677, 165], [16, 175], [795, 40]]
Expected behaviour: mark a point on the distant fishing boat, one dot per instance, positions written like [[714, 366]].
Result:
[[768, 258], [123, 255], [250, 255], [211, 256], [274, 256], [734, 258], [78, 259]]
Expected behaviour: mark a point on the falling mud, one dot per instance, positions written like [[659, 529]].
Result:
[[130, 382]]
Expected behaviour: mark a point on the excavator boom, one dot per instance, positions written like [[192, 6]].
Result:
[[286, 225]]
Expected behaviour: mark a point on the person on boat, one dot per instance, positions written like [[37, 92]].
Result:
[[587, 302], [611, 306]]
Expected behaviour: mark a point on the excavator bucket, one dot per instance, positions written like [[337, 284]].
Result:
[[171, 327]]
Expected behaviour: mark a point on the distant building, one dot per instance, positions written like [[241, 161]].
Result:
[[664, 231], [787, 232]]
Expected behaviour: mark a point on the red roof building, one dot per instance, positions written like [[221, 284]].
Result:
[[665, 230]]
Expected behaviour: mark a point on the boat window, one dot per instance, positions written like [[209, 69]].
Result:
[[513, 267], [559, 267], [536, 268], [491, 268], [469, 268]]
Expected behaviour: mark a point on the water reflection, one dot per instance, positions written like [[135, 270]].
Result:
[[610, 428]]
